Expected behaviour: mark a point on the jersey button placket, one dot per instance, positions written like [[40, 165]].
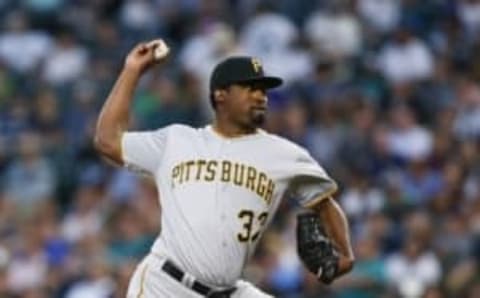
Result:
[[225, 197], [219, 198]]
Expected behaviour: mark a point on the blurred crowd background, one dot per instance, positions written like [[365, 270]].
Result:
[[384, 93]]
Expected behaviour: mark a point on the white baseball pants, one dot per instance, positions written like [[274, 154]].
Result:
[[150, 281]]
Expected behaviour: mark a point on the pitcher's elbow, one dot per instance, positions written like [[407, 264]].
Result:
[[109, 148], [99, 143], [103, 144]]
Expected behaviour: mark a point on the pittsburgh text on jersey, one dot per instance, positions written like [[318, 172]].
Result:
[[239, 174]]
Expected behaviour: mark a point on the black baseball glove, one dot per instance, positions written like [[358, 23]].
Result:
[[315, 249]]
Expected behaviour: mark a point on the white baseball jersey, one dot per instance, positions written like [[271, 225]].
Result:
[[218, 194]]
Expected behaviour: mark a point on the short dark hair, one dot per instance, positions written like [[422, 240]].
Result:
[[212, 100]]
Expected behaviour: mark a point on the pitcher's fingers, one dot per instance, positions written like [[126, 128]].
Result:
[[142, 48], [155, 43]]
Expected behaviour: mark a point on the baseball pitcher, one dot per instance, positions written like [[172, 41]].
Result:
[[220, 185]]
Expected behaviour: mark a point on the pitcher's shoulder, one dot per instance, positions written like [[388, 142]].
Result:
[[280, 143], [182, 130]]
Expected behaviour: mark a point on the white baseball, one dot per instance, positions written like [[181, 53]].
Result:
[[161, 50]]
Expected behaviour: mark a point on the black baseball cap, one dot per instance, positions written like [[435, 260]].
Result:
[[241, 69]]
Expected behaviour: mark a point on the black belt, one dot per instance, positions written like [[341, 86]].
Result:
[[198, 287]]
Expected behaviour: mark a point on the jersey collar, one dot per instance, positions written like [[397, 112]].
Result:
[[212, 131]]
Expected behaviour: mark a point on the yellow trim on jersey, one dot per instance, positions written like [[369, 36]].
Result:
[[142, 281], [320, 198]]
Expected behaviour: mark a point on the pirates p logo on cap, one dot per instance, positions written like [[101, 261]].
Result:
[[257, 66]]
